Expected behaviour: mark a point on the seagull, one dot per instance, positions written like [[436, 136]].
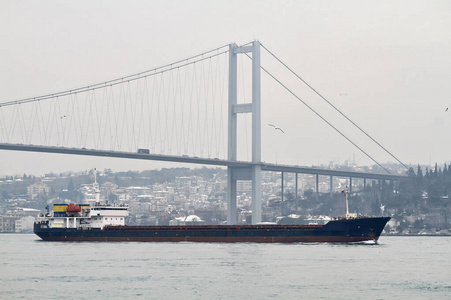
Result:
[[276, 128]]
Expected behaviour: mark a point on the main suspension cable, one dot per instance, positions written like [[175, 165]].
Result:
[[128, 78], [320, 116], [334, 107]]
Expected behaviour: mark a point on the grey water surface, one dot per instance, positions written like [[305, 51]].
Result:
[[396, 268]]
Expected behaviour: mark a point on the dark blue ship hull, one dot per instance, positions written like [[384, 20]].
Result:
[[336, 231]]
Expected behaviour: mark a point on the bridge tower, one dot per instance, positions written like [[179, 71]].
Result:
[[244, 173]]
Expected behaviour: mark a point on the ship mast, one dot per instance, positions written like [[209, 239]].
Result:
[[348, 215], [96, 188]]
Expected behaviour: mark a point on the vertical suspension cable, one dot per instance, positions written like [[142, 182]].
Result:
[[176, 101], [154, 130], [168, 131], [48, 126], [149, 101], [205, 96], [69, 121], [72, 121], [199, 112], [135, 118], [42, 126], [3, 130], [110, 114], [211, 116], [196, 126], [58, 122], [97, 120], [52, 122], [223, 110], [31, 124], [80, 120], [182, 115], [92, 121], [90, 128], [12, 126], [159, 99], [64, 115], [21, 123], [185, 124], [144, 120], [89, 125], [86, 120], [44, 129], [134, 104], [126, 125], [122, 101], [103, 119], [139, 95], [214, 99], [190, 139]]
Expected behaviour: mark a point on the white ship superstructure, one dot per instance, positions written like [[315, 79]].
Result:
[[93, 215], [97, 216]]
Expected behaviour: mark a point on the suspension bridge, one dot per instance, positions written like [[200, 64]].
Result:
[[187, 111]]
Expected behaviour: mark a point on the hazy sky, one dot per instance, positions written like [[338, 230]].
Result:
[[390, 60]]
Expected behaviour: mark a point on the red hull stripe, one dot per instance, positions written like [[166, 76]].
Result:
[[270, 239]]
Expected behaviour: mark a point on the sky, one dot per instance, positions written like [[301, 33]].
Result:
[[385, 64]]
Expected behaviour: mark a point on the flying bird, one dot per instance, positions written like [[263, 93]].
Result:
[[276, 128], [446, 109]]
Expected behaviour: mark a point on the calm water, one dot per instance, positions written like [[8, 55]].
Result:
[[396, 268]]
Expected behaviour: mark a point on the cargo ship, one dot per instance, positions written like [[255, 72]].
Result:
[[106, 223]]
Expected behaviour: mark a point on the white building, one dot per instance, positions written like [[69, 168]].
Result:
[[38, 189], [24, 224], [188, 220]]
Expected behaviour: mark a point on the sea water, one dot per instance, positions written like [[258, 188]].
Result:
[[395, 268]]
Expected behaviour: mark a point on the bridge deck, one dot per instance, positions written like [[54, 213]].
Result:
[[197, 160]]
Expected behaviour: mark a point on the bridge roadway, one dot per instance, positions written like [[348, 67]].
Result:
[[197, 160]]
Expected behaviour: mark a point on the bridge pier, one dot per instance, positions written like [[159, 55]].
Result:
[[254, 172], [350, 185], [232, 216], [234, 174], [281, 185], [256, 194], [331, 189], [317, 184], [296, 192]]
